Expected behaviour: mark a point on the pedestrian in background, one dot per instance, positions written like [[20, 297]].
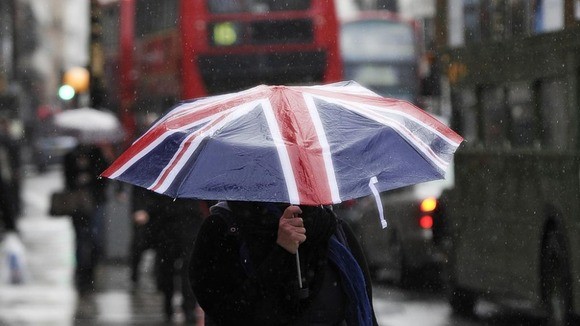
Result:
[[82, 167], [175, 223], [10, 177], [145, 231], [243, 268]]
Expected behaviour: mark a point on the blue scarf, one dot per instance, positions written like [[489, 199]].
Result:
[[353, 283]]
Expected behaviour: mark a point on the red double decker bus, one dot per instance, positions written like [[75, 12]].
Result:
[[159, 52]]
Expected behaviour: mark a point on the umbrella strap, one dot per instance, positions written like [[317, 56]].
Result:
[[375, 191]]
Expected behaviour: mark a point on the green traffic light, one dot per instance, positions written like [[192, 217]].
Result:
[[66, 92]]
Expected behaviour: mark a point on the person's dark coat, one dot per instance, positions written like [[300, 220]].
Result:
[[10, 179], [175, 223], [82, 167], [264, 291]]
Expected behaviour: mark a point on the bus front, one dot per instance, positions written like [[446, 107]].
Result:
[[381, 53], [233, 45]]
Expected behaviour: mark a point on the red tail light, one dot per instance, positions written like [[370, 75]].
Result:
[[349, 203], [427, 207], [426, 222]]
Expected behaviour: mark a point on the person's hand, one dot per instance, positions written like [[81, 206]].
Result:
[[141, 217], [291, 231]]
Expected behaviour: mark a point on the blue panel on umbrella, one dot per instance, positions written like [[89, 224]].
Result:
[[150, 166], [362, 148], [236, 161]]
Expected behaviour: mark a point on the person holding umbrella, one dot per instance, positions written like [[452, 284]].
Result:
[[243, 268], [305, 145]]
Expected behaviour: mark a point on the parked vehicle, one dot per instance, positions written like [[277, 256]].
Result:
[[415, 238]]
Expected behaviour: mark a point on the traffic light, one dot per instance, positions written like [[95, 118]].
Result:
[[66, 92], [75, 81]]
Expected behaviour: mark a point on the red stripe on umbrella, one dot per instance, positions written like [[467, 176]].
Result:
[[303, 146]]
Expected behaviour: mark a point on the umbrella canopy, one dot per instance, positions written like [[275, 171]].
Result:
[[310, 145], [90, 125]]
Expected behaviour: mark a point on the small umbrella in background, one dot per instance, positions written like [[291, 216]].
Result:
[[90, 126], [309, 145]]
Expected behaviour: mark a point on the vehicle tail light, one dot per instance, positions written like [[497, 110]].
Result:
[[428, 205], [426, 222], [349, 203]]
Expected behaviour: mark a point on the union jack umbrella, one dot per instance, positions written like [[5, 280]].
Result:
[[308, 145]]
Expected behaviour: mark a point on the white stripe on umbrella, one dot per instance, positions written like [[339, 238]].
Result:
[[326, 154], [156, 142], [378, 114], [283, 155], [190, 144]]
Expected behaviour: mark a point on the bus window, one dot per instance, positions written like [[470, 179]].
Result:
[[554, 116], [236, 6], [380, 52], [495, 118], [360, 41], [155, 16], [240, 44], [523, 132]]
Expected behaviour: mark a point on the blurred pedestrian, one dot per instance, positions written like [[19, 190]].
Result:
[[244, 267], [82, 167], [176, 223], [10, 176], [144, 236]]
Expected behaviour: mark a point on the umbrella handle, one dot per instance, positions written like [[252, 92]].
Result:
[[303, 293], [298, 269]]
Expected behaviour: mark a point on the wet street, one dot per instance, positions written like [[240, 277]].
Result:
[[116, 303], [48, 297]]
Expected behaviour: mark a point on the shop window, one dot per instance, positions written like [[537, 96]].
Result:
[[466, 101], [519, 13], [493, 16], [554, 115], [495, 117], [523, 132], [471, 12], [548, 15]]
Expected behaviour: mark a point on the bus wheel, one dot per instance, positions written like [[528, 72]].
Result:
[[462, 301], [555, 280]]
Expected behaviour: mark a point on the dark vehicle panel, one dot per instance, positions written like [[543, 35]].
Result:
[[415, 238]]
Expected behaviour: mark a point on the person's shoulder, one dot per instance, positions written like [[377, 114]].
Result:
[[221, 219], [218, 220]]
